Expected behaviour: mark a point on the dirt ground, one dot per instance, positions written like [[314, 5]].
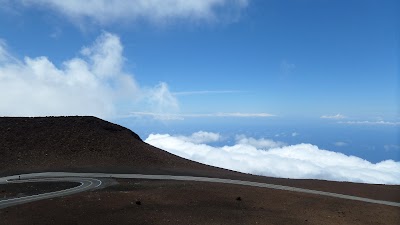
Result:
[[179, 202]]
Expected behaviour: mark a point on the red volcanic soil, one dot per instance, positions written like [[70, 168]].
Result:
[[89, 144]]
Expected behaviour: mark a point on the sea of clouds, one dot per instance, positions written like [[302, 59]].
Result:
[[277, 159]]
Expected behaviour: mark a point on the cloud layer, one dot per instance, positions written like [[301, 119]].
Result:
[[159, 11], [180, 116], [271, 158], [94, 83], [366, 122]]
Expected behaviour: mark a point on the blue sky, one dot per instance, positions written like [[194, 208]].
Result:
[[298, 71], [286, 58]]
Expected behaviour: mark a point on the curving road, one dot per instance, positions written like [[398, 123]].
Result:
[[85, 184], [93, 180]]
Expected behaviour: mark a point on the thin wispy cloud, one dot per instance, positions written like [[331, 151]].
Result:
[[391, 147], [201, 137], [5, 56], [106, 12], [340, 144], [272, 158], [56, 33], [366, 122], [238, 114], [287, 67], [335, 117], [206, 92], [156, 116], [181, 116]]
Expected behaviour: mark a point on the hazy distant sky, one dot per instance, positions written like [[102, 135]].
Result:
[[175, 59]]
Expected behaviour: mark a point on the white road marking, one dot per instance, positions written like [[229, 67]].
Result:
[[100, 183]]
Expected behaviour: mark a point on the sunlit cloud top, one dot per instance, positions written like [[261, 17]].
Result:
[[273, 158]]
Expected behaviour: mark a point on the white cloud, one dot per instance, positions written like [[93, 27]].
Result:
[[93, 83], [201, 137], [340, 144], [161, 98], [270, 158], [294, 134], [158, 11], [259, 143], [366, 122], [336, 117], [181, 116]]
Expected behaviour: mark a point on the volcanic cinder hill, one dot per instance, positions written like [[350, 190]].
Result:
[[82, 144]]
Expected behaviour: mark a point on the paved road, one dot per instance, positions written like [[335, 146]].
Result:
[[93, 180], [85, 184]]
